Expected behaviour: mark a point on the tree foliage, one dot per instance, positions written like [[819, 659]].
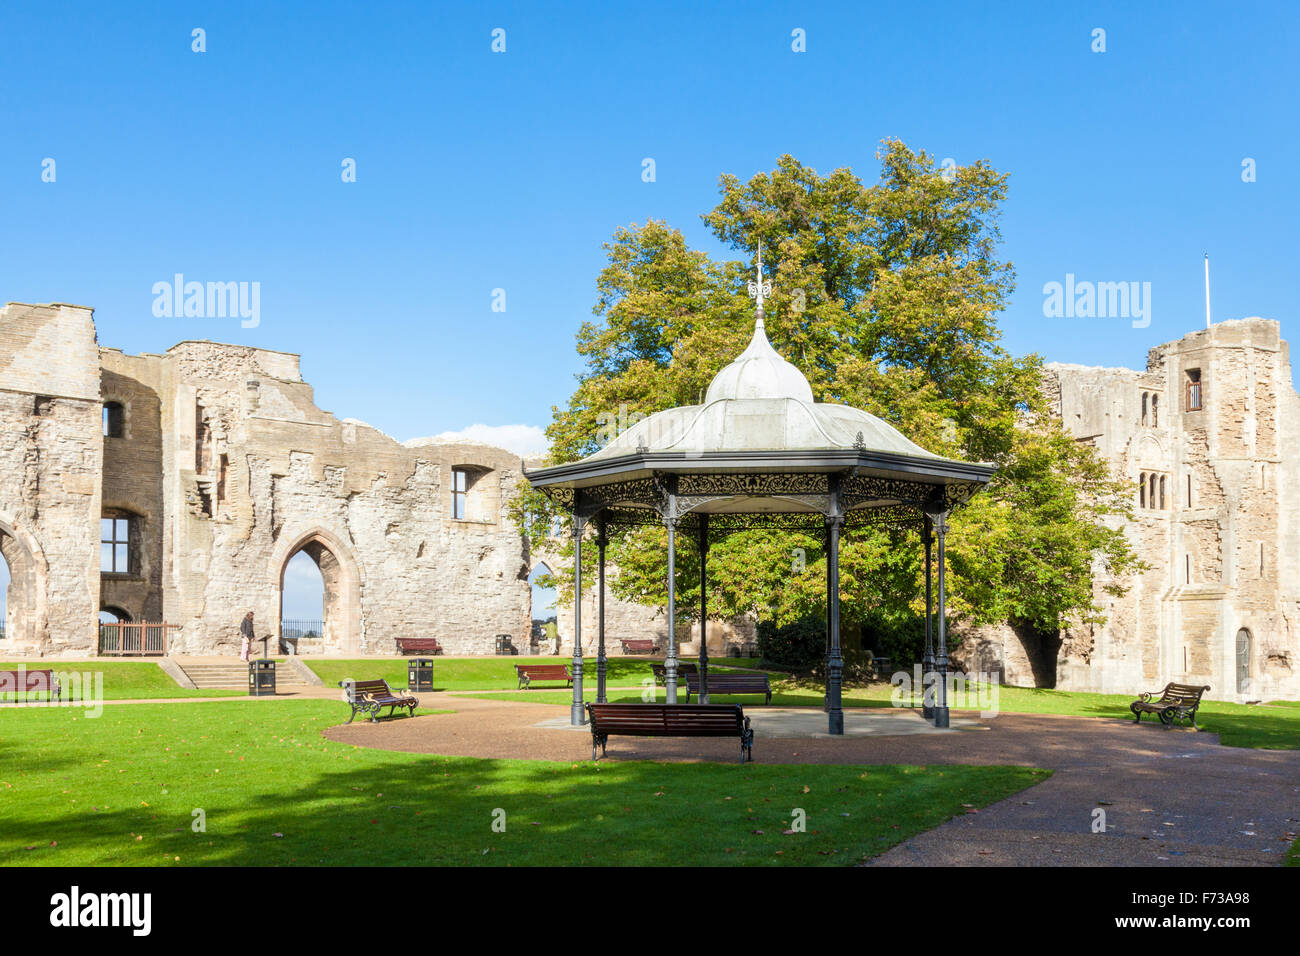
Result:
[[886, 297]]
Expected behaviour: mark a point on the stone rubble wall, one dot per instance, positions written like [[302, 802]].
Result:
[[51, 458]]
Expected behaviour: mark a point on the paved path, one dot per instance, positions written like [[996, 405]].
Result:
[[1171, 797]]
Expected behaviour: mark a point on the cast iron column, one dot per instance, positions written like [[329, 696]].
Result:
[[704, 610], [577, 716], [927, 659], [941, 658], [601, 541], [826, 652], [835, 664], [670, 659]]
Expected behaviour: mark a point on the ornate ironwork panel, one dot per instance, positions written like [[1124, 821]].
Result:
[[863, 489], [755, 486]]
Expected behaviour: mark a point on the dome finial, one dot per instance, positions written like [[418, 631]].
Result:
[[758, 288]]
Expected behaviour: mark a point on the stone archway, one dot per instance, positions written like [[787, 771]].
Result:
[[342, 577], [545, 612], [26, 613], [1244, 648]]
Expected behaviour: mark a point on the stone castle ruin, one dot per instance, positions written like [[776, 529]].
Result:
[[1209, 436], [202, 471]]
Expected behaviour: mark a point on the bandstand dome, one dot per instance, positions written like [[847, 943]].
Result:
[[760, 402]]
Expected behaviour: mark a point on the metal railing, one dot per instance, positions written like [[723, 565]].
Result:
[[302, 630], [135, 638]]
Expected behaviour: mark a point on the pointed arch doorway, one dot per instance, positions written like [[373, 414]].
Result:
[[317, 559]]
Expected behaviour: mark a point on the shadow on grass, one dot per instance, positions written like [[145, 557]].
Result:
[[273, 792]]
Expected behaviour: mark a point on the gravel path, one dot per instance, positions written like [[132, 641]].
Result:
[[1171, 797]]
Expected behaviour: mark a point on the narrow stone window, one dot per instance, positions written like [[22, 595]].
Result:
[[1187, 559], [223, 468], [1142, 490], [1155, 411], [1162, 492], [1144, 408], [459, 493], [1189, 491], [114, 420], [117, 538], [1193, 390]]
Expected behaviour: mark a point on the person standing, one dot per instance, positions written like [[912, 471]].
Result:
[[246, 632]]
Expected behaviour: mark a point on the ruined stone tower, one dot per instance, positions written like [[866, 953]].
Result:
[[1208, 435]]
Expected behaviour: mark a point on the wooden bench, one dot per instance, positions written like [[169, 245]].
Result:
[[28, 682], [1177, 702], [683, 668], [640, 646], [370, 696], [669, 720], [528, 673], [418, 645], [730, 683]]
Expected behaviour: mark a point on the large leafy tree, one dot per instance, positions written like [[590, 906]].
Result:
[[886, 297]]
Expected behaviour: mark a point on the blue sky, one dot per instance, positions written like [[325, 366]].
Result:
[[478, 171]]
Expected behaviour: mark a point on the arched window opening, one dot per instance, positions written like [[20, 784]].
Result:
[[303, 604], [545, 604], [5, 581], [1243, 661]]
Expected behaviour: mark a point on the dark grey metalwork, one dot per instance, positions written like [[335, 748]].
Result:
[[670, 659], [835, 661], [704, 608], [941, 656], [927, 659], [813, 492], [577, 713], [601, 540]]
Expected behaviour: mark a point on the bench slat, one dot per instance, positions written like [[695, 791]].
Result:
[[669, 720]]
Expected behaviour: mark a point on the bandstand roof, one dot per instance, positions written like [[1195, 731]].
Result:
[[760, 445]]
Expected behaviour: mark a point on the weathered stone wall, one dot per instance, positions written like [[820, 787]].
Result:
[[376, 515], [50, 462], [1222, 538]]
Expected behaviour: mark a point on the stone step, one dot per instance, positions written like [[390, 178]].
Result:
[[235, 676]]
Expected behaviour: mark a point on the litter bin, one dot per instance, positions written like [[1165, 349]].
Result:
[[881, 666], [505, 644], [419, 673], [261, 678]]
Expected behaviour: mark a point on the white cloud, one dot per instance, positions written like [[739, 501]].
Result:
[[526, 441]]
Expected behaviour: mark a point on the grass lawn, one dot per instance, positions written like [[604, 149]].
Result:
[[123, 789], [1293, 854], [123, 680], [484, 673]]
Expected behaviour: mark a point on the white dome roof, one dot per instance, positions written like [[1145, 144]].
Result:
[[759, 372], [760, 402]]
